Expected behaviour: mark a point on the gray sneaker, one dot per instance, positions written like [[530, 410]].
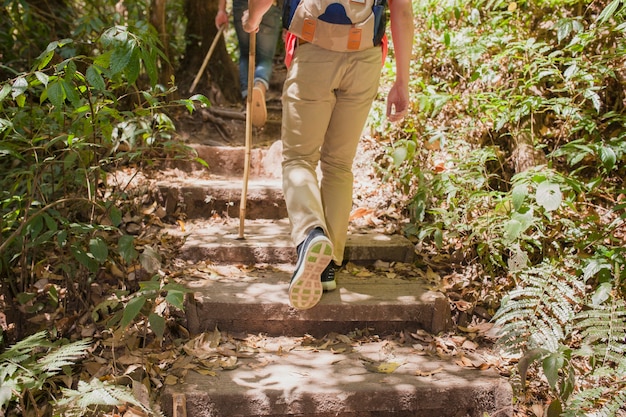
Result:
[[314, 254]]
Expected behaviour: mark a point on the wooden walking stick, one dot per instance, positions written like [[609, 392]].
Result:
[[206, 58], [246, 164]]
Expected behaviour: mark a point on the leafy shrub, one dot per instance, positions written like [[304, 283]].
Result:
[[515, 158]]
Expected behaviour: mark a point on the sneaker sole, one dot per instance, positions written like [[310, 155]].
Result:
[[329, 285], [305, 290], [259, 111]]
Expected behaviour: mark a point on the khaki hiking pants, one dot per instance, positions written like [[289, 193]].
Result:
[[326, 100]]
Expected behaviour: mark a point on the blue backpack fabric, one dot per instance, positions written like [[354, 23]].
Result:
[[335, 13]]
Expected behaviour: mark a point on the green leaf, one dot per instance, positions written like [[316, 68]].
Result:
[[99, 249], [157, 324], [551, 366], [518, 195], [132, 68], [549, 196], [512, 230], [120, 58], [70, 92], [132, 310], [602, 293], [20, 85], [608, 157], [399, 155], [4, 92], [555, 409], [149, 58], [115, 215], [81, 256], [126, 248], [176, 298], [42, 77], [609, 11], [593, 267], [56, 95], [528, 359], [95, 79]]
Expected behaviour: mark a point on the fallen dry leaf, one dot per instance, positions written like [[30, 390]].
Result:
[[428, 373], [381, 367]]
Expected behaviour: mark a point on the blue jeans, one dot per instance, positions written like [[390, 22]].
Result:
[[266, 40]]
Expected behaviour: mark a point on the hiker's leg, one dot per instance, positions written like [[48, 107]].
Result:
[[308, 102], [243, 39], [266, 41], [358, 88]]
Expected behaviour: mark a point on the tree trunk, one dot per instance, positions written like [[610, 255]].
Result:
[[220, 80], [157, 18], [524, 154]]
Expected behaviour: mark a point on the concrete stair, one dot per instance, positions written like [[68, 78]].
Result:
[[240, 287]]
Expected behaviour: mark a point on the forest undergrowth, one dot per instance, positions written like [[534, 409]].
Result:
[[509, 170]]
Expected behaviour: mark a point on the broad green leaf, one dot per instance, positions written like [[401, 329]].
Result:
[[51, 224], [120, 58], [126, 248], [570, 71], [602, 293], [549, 196], [528, 359], [176, 298], [20, 85], [512, 230], [70, 92], [608, 157], [593, 267], [56, 95], [115, 215], [81, 256], [42, 77], [551, 366], [157, 324], [151, 286], [595, 99], [4, 92], [399, 155], [149, 59], [555, 409], [132, 310], [99, 249], [95, 79], [518, 195], [132, 68]]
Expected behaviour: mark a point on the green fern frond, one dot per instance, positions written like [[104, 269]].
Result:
[[539, 312], [65, 355], [22, 350], [613, 405], [598, 402], [96, 395], [603, 328]]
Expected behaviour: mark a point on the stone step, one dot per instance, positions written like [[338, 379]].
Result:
[[204, 197], [285, 377], [265, 160], [269, 241], [255, 300]]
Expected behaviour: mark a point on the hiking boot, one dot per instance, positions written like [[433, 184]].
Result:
[[314, 254], [328, 277], [259, 110]]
